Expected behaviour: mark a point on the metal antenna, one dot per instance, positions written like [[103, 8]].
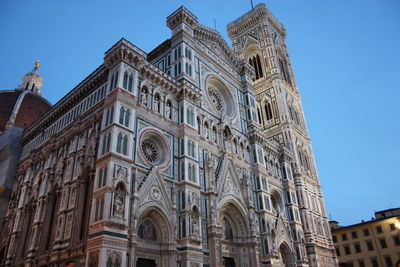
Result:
[[215, 24], [252, 7]]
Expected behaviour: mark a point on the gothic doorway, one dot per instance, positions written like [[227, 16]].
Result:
[[234, 250], [229, 262], [145, 263], [154, 244], [285, 256]]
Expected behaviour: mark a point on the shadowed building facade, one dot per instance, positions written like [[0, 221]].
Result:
[[195, 154]]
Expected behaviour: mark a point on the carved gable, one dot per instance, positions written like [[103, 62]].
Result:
[[153, 192]]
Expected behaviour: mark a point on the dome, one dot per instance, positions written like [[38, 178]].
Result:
[[21, 108]]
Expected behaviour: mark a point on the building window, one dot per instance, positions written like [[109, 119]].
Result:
[[334, 239], [392, 227], [191, 148], [357, 248], [379, 229], [255, 62], [369, 245], [124, 115], [98, 212], [361, 263], [347, 250], [190, 116], [106, 143], [188, 69], [383, 243], [268, 111], [388, 261], [192, 172], [396, 240], [338, 252], [366, 232], [102, 177], [344, 237], [109, 116], [354, 235], [188, 53], [374, 262], [122, 144]]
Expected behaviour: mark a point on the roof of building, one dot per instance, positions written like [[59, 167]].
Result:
[[373, 220], [28, 107]]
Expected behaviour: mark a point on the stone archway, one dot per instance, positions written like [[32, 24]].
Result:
[[155, 240], [234, 247], [285, 256]]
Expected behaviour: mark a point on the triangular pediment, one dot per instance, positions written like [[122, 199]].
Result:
[[153, 192], [216, 43], [228, 182]]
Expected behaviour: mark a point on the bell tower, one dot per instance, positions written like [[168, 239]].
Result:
[[259, 39]]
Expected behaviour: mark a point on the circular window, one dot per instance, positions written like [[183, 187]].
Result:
[[150, 151], [216, 99], [220, 98], [153, 148]]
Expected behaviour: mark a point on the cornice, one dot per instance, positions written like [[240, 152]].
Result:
[[204, 33], [253, 17]]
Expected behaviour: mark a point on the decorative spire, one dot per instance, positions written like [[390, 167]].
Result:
[[32, 80]]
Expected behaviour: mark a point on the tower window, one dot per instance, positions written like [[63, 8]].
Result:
[[255, 62]]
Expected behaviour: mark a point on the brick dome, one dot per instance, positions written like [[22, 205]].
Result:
[[25, 106]]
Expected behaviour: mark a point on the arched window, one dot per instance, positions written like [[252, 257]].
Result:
[[284, 70], [259, 116], [119, 143], [255, 61], [125, 82], [125, 145], [268, 111], [127, 115], [121, 115], [130, 83], [190, 116]]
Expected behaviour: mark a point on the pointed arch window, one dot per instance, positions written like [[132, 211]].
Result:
[[130, 83], [122, 144], [125, 82], [121, 115], [268, 111], [255, 62]]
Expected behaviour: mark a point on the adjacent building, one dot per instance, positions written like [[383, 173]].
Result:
[[19, 108], [373, 243], [194, 154]]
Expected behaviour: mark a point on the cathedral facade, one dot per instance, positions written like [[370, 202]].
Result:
[[195, 154]]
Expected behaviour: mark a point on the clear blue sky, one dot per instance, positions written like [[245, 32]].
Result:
[[345, 56]]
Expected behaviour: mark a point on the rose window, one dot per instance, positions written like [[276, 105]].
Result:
[[150, 151], [217, 99]]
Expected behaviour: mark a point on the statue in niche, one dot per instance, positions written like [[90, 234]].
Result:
[[168, 110], [195, 224], [157, 103], [118, 204], [143, 96]]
